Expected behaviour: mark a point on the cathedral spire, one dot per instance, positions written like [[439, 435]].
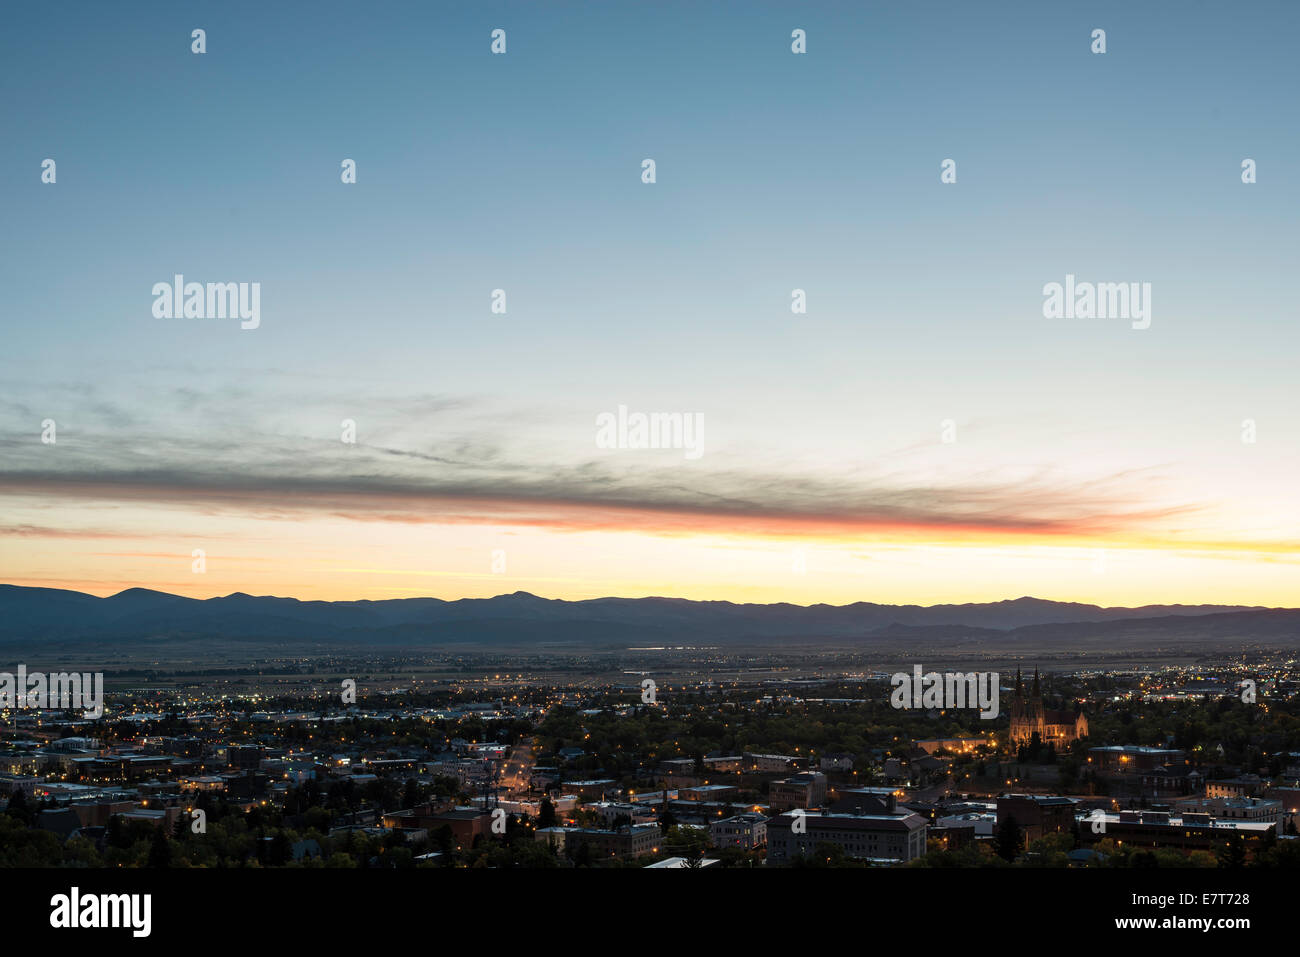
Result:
[[1019, 687], [1038, 692]]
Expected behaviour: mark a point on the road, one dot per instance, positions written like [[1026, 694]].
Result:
[[517, 772]]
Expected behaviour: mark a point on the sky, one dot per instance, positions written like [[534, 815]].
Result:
[[921, 434]]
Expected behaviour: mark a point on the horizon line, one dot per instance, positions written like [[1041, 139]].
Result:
[[697, 601]]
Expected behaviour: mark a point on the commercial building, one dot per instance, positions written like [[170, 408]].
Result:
[[708, 792], [897, 837], [620, 842], [1186, 832], [1036, 815], [747, 831], [1267, 810], [1245, 785], [1128, 758], [804, 790]]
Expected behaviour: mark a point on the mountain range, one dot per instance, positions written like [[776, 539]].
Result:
[[519, 619]]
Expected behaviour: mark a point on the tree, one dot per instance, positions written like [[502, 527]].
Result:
[[1009, 839], [159, 852], [17, 806], [582, 856], [1233, 853], [280, 850], [825, 854], [546, 814], [443, 837], [1281, 854]]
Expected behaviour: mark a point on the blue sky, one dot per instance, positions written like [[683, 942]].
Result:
[[775, 171]]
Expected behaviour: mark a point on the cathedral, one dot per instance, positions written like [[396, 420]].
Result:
[[1058, 728]]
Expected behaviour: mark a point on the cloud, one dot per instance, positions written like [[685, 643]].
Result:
[[429, 458], [594, 496]]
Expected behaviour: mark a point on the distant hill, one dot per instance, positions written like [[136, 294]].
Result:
[[36, 615]]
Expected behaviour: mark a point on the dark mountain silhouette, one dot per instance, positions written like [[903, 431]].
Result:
[[30, 615]]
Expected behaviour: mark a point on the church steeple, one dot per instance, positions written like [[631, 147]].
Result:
[[1029, 718]]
